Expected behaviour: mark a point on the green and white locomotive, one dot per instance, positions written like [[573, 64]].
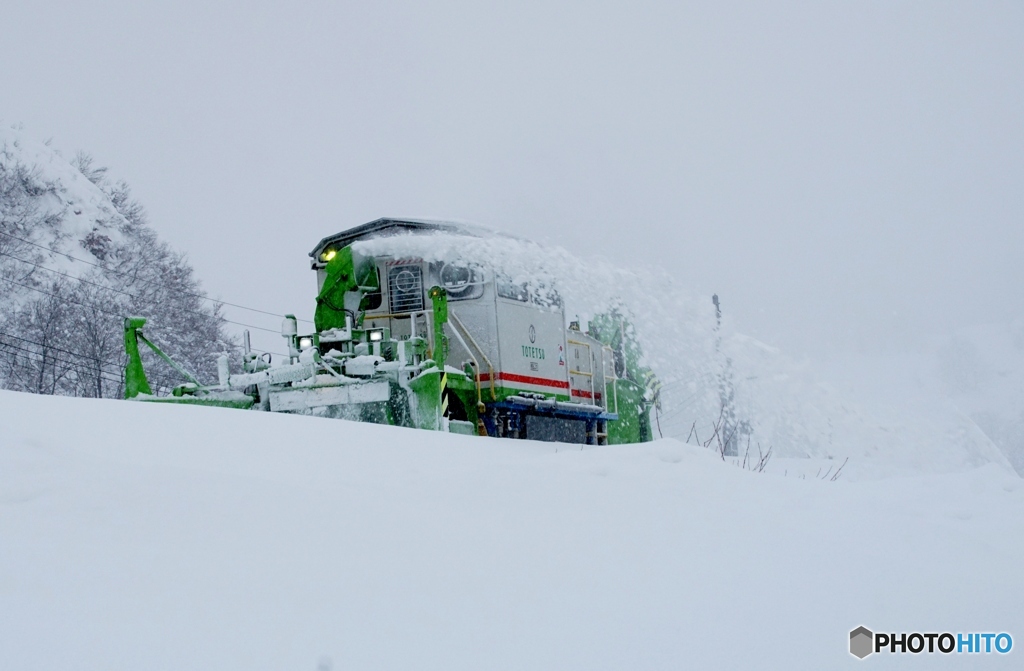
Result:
[[440, 345]]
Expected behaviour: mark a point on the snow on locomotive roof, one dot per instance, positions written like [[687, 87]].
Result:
[[388, 226]]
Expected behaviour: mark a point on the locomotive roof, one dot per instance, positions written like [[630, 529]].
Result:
[[387, 226]]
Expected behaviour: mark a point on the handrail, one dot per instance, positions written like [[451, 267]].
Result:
[[397, 315], [590, 351], [614, 377], [490, 367], [476, 364]]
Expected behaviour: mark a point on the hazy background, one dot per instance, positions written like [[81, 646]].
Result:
[[846, 177]]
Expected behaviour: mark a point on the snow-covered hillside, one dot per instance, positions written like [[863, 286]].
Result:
[[65, 214], [77, 256], [163, 537]]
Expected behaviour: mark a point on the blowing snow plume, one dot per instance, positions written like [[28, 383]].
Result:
[[715, 380]]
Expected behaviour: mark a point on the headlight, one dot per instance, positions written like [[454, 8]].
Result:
[[376, 336], [330, 254], [305, 343]]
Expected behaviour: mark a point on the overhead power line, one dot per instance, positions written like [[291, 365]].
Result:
[[71, 277], [116, 364], [106, 375], [119, 291], [111, 376], [64, 298], [64, 351], [123, 274]]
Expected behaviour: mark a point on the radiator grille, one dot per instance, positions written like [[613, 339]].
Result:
[[405, 288]]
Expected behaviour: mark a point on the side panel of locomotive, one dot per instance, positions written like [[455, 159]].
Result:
[[518, 344], [531, 346]]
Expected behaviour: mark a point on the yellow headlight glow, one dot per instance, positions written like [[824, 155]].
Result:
[[330, 254]]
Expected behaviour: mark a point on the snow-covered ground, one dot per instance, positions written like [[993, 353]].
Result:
[[138, 536]]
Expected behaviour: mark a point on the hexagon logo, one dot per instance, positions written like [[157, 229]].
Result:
[[861, 642]]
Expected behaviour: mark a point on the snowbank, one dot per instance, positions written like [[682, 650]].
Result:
[[159, 537]]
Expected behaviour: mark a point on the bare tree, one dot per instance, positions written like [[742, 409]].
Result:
[[63, 333]]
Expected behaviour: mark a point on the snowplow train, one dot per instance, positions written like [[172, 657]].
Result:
[[444, 346]]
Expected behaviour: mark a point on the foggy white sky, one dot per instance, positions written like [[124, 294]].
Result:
[[845, 176]]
